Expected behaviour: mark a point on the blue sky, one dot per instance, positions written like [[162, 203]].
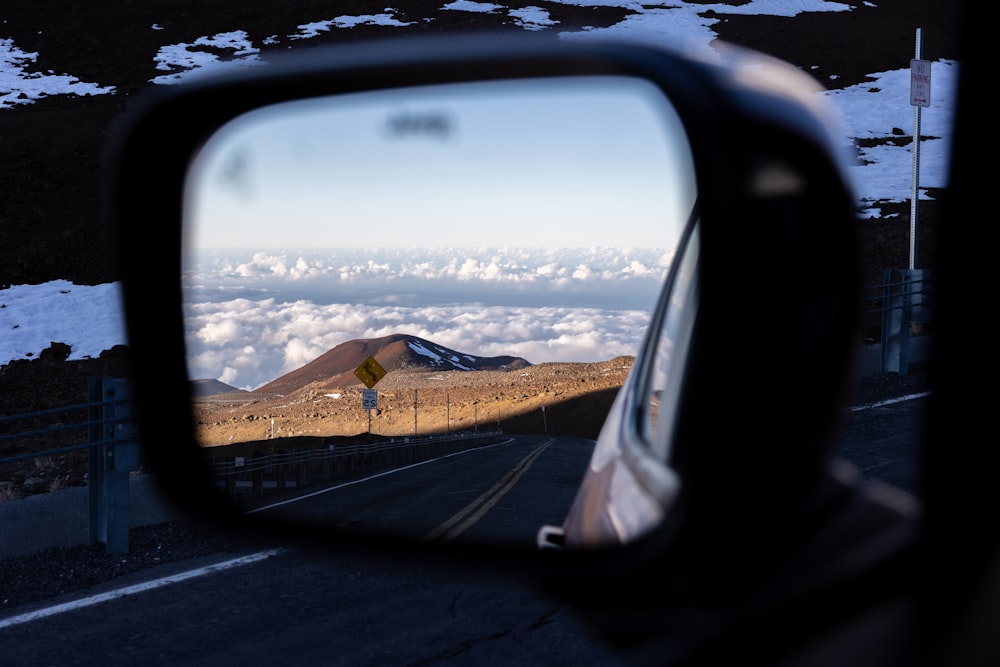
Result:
[[247, 338]]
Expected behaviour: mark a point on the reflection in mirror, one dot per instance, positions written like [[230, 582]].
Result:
[[409, 311]]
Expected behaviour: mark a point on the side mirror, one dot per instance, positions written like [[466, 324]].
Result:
[[394, 293]]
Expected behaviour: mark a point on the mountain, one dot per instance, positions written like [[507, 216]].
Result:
[[211, 388], [394, 353]]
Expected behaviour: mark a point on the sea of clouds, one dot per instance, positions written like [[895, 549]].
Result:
[[253, 316]]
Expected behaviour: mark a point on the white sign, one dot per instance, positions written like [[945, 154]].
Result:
[[920, 83], [369, 399]]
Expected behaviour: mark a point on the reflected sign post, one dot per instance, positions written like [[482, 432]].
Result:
[[369, 372]]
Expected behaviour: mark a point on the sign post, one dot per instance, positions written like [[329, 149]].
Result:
[[920, 96], [369, 401], [369, 372]]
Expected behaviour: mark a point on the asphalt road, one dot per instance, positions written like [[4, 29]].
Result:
[[497, 493], [290, 607], [884, 440]]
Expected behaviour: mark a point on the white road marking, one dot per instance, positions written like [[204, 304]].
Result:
[[137, 588], [343, 485], [890, 401]]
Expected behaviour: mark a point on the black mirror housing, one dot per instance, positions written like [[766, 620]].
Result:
[[778, 277]]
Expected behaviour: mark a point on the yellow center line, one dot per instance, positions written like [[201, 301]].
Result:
[[475, 510]]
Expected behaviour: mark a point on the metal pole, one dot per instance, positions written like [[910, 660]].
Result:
[[916, 164], [414, 413], [96, 463]]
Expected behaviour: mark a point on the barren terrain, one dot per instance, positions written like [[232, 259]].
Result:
[[570, 399]]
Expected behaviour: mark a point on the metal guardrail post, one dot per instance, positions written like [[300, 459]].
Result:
[[325, 467], [114, 456], [257, 477], [301, 477], [905, 303], [231, 480], [95, 459]]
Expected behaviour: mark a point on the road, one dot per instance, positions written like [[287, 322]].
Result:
[[883, 440], [289, 607], [499, 492]]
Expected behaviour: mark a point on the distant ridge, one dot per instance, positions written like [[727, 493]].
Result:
[[211, 388], [335, 368]]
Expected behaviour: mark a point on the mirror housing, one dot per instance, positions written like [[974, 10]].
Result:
[[777, 278]]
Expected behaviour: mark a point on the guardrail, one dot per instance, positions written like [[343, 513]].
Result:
[[103, 429], [111, 447], [284, 463], [903, 302]]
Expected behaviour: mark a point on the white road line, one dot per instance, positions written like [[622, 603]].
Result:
[[890, 401], [343, 485], [137, 588]]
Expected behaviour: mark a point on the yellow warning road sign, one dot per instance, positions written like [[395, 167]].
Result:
[[370, 372]]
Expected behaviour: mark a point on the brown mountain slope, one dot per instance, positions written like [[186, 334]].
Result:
[[335, 368], [569, 399]]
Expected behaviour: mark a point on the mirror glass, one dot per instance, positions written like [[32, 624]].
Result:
[[409, 310]]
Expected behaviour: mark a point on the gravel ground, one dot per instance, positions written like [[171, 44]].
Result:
[[47, 574]]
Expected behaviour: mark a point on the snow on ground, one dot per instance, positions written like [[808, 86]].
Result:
[[88, 318]]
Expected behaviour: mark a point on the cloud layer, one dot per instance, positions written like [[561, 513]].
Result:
[[252, 319]]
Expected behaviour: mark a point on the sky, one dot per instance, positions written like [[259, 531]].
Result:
[[413, 168], [541, 304]]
